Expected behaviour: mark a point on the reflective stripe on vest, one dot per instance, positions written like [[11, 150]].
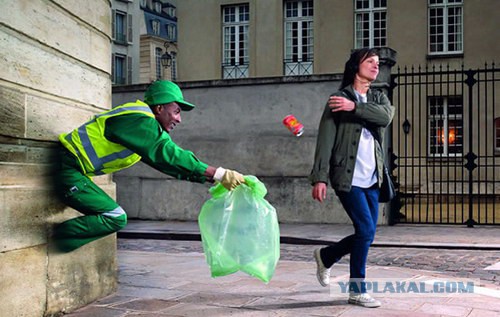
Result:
[[96, 161]]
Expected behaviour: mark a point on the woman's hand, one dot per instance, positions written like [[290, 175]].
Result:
[[340, 104], [319, 191]]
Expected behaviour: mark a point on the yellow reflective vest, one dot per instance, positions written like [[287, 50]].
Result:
[[96, 154]]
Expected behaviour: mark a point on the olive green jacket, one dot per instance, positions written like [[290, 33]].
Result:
[[338, 138]]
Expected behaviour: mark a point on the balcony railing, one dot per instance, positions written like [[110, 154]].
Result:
[[120, 81], [298, 68], [234, 71], [121, 38]]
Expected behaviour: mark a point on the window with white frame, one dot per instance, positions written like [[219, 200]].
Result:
[[298, 37], [235, 26], [170, 11], [445, 126], [445, 26], [155, 26], [158, 54], [171, 32], [370, 23], [157, 5]]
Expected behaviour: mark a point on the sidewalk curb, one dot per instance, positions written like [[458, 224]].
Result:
[[183, 236]]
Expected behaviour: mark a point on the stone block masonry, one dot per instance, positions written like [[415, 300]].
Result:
[[55, 61]]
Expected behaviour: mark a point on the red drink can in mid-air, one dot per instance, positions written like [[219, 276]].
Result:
[[293, 125]]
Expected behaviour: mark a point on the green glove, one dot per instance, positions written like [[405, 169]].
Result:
[[228, 178]]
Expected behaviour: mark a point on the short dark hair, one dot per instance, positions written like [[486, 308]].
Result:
[[352, 65]]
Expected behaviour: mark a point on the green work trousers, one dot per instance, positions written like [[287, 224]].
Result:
[[101, 214]]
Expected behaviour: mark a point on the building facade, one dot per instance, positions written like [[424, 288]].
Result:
[[222, 39], [144, 41], [446, 115]]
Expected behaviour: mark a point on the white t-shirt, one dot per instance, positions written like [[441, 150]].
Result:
[[364, 170]]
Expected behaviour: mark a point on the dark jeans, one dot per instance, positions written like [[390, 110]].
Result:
[[361, 204]]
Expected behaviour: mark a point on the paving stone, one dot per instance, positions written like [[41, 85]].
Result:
[[483, 313], [148, 314], [98, 311], [199, 310], [151, 305], [113, 299], [444, 309], [218, 299]]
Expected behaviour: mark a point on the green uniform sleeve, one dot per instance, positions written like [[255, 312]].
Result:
[[144, 136]]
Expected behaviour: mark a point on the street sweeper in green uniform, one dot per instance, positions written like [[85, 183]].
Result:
[[117, 139]]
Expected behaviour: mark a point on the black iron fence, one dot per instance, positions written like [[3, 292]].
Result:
[[445, 149]]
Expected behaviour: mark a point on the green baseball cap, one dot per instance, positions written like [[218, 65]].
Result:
[[163, 91]]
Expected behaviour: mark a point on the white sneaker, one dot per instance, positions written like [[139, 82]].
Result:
[[322, 273], [363, 299]]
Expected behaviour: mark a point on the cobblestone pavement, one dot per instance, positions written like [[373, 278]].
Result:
[[458, 263]]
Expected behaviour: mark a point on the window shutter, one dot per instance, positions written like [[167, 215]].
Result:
[[129, 70], [113, 80], [129, 28], [113, 23]]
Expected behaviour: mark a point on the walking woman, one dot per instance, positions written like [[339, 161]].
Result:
[[350, 157]]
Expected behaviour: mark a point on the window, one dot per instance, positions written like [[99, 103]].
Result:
[[445, 27], [119, 69], [122, 27], [158, 53], [298, 37], [174, 67], [170, 72], [445, 126], [370, 23], [155, 26], [497, 135], [170, 11], [157, 5], [171, 32], [235, 24], [148, 4]]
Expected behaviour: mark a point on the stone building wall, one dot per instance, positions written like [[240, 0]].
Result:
[[55, 73]]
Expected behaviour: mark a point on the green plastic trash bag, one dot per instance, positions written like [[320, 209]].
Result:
[[239, 231]]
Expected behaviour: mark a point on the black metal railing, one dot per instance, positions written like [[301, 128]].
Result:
[[297, 68], [234, 71], [445, 140]]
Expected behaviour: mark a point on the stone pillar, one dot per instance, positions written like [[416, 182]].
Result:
[[55, 62], [387, 61]]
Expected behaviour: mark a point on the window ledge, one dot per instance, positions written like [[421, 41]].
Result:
[[445, 55], [119, 42]]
